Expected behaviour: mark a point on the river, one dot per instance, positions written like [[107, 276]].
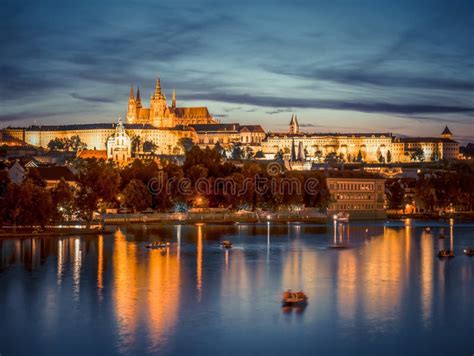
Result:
[[386, 293]]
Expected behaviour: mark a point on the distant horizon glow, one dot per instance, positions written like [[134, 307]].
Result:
[[406, 68]]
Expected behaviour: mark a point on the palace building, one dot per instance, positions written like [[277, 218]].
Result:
[[159, 114], [364, 147]]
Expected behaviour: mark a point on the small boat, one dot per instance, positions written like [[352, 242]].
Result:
[[290, 298], [341, 217], [158, 245], [469, 251], [445, 253], [441, 234], [226, 244]]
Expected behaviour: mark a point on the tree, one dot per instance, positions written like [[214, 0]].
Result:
[[28, 204], [395, 194], [75, 144], [187, 144], [63, 200], [137, 195], [318, 155], [237, 152], [149, 146], [259, 154], [98, 181], [435, 156], [35, 177], [389, 156], [418, 155], [279, 156], [56, 145]]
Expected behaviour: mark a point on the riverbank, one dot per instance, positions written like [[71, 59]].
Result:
[[51, 232], [213, 218]]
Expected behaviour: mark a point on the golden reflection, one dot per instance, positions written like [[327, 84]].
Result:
[[199, 261], [100, 264], [76, 269], [163, 295], [347, 275], [426, 276], [385, 263], [60, 262], [125, 287]]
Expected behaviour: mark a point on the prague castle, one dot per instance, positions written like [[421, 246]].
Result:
[[165, 126], [159, 114]]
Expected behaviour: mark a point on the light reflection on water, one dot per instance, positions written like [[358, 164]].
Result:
[[109, 294]]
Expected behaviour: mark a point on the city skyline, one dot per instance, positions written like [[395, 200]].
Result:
[[340, 67]]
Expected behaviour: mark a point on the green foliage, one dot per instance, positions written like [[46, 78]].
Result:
[[137, 195], [395, 194], [186, 143], [28, 204], [72, 144]]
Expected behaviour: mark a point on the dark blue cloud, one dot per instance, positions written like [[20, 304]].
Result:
[[258, 60]]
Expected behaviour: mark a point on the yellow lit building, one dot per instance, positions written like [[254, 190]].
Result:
[[366, 147], [360, 197], [159, 114]]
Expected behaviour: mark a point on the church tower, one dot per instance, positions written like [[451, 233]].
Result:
[[132, 108], [294, 126], [173, 101], [158, 107], [447, 133]]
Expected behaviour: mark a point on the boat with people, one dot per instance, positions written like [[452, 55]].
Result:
[[469, 251], [445, 253], [341, 217], [226, 244], [290, 298], [158, 245]]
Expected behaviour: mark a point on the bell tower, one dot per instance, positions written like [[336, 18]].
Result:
[[132, 108], [157, 105], [294, 126]]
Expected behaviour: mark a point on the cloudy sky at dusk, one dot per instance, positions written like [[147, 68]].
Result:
[[401, 66]]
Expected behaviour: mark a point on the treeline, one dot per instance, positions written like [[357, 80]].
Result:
[[453, 187], [203, 177]]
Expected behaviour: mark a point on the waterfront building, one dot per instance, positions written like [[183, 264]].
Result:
[[362, 198]]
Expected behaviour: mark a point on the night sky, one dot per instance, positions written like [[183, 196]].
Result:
[[405, 67]]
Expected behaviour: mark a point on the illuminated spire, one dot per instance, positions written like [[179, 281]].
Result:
[[158, 86], [131, 92], [139, 100], [173, 102]]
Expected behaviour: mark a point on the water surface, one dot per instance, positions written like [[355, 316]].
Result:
[[386, 294]]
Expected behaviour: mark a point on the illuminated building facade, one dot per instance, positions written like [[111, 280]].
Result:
[[159, 114], [364, 147], [360, 197]]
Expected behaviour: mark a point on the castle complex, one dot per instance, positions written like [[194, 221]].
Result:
[[366, 147], [159, 114], [165, 126]]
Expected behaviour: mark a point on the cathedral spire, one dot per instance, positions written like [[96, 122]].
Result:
[[173, 101], [158, 86], [139, 100], [131, 92]]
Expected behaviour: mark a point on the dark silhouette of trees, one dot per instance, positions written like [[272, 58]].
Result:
[[137, 195]]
